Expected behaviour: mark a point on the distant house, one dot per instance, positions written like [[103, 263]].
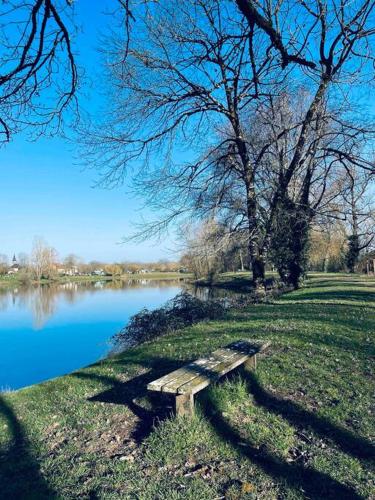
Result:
[[72, 271], [98, 272], [15, 267], [68, 271]]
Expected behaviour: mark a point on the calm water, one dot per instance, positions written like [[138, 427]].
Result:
[[52, 330]]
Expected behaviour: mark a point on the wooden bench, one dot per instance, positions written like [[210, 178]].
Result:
[[192, 378]]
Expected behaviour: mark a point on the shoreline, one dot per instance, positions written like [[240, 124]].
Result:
[[8, 282]]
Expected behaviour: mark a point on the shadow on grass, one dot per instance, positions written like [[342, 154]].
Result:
[[20, 476], [127, 393], [291, 311], [298, 417], [364, 283], [239, 284], [146, 406], [349, 296], [312, 483]]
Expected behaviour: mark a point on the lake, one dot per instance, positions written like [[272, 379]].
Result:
[[51, 330]]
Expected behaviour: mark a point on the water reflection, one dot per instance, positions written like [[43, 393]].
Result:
[[209, 293], [49, 330], [53, 329], [43, 300]]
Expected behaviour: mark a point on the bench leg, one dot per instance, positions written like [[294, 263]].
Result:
[[185, 405], [251, 363]]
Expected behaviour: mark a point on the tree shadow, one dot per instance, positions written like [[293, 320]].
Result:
[[335, 295], [146, 406], [287, 312], [348, 442], [126, 393], [20, 475], [313, 484], [341, 283], [238, 284]]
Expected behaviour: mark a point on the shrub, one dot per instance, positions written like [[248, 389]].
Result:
[[183, 310], [24, 277]]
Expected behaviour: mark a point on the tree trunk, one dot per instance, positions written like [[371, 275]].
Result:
[[297, 265], [258, 268], [241, 260], [256, 260], [326, 256]]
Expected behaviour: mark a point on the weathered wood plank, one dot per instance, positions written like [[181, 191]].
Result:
[[156, 385], [197, 375], [191, 372], [216, 373], [242, 350], [159, 384], [195, 370]]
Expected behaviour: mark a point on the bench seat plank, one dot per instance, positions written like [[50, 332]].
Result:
[[157, 385], [204, 379], [190, 372], [195, 370], [198, 374]]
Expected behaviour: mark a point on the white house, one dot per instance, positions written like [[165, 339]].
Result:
[[15, 267]]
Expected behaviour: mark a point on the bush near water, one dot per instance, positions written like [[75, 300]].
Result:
[[183, 310]]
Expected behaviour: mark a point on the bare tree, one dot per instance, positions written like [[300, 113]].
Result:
[[359, 210], [71, 261], [4, 263], [328, 245], [38, 78], [192, 78], [205, 248], [43, 259], [191, 81]]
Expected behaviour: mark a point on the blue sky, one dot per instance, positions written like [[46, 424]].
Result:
[[44, 192]]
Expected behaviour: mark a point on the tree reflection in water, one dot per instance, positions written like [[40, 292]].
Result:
[[44, 300]]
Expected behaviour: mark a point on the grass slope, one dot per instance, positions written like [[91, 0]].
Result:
[[300, 428]]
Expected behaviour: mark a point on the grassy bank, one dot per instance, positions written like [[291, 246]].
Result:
[[16, 280], [242, 281], [239, 282], [300, 428]]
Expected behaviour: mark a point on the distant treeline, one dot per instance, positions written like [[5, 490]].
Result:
[[45, 263]]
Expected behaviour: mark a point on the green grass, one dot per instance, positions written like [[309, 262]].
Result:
[[301, 427], [238, 282]]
